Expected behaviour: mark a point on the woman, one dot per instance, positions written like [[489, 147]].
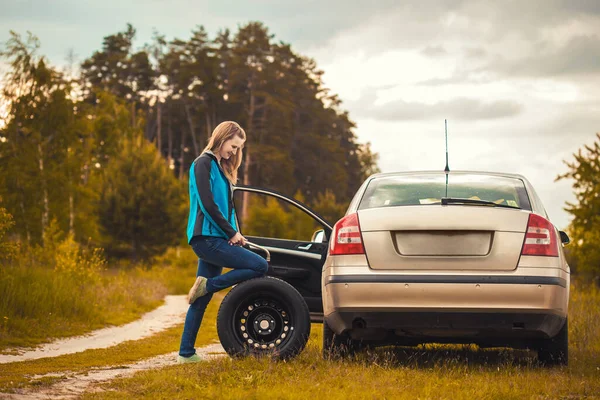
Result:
[[212, 229]]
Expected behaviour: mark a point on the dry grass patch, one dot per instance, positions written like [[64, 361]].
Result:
[[76, 293]]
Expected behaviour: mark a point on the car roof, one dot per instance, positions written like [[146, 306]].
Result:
[[398, 173]]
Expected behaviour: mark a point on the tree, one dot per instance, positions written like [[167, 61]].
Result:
[[119, 70], [327, 206], [584, 251], [368, 161], [41, 152], [300, 140], [266, 218], [299, 137], [270, 217], [142, 205]]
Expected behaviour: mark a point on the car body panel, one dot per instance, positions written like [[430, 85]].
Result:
[[501, 251], [443, 237], [436, 217], [359, 291]]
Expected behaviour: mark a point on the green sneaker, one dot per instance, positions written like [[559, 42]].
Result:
[[186, 360], [198, 289]]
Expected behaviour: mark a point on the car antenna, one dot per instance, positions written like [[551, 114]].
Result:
[[447, 169]]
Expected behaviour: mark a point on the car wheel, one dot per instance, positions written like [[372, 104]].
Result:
[[555, 351], [337, 346], [263, 316]]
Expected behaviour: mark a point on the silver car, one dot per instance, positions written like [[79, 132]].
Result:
[[458, 257]]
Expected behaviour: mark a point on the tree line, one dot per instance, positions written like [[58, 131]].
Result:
[[101, 151]]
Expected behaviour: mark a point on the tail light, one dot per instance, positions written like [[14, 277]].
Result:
[[346, 237], [540, 238]]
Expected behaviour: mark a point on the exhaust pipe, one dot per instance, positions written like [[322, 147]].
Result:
[[359, 323]]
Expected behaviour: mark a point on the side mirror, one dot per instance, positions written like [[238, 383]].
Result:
[[564, 238], [318, 236]]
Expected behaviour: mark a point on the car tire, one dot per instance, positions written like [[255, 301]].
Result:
[[555, 351], [337, 346], [263, 317]]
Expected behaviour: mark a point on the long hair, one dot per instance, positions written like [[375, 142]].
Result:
[[222, 133]]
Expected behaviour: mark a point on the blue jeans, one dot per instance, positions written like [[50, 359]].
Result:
[[214, 254]]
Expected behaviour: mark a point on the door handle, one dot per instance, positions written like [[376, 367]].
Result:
[[304, 247]]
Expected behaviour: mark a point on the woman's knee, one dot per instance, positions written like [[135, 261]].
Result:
[[263, 266]]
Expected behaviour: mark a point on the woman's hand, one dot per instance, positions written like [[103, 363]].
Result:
[[237, 240]]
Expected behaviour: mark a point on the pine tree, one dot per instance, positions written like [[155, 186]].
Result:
[[118, 69], [142, 205], [299, 137]]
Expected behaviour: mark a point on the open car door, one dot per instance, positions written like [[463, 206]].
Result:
[[296, 236]]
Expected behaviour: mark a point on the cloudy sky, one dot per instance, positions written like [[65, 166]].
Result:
[[518, 81]]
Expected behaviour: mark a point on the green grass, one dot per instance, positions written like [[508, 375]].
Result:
[[73, 292], [19, 374], [432, 371]]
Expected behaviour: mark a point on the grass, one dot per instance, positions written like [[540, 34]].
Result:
[[19, 374], [441, 373], [432, 371], [73, 292]]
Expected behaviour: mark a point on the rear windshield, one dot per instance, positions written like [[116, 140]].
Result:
[[425, 189]]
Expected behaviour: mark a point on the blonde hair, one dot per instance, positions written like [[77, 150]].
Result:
[[222, 133]]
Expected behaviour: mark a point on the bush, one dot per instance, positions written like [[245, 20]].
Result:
[[65, 289], [7, 249]]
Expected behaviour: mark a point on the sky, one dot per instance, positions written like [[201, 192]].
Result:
[[518, 81]]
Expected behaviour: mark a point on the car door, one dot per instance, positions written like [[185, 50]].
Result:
[[296, 237]]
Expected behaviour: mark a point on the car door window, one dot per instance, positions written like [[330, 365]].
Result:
[[267, 216]]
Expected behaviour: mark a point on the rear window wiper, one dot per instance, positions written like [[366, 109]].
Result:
[[456, 200]]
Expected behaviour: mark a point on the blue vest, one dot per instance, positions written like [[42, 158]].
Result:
[[211, 200]]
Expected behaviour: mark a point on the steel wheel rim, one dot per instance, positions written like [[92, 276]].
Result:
[[263, 323]]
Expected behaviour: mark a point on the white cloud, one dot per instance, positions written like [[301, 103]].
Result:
[[458, 108], [518, 81]]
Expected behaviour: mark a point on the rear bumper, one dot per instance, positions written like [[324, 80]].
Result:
[[475, 308], [479, 327]]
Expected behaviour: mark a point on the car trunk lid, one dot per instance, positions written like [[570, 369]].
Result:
[[443, 237]]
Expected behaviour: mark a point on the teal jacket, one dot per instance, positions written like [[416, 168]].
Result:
[[211, 200]]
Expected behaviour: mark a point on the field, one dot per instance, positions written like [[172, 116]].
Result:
[[431, 371], [71, 293]]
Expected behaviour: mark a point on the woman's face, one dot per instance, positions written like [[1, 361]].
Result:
[[231, 147]]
